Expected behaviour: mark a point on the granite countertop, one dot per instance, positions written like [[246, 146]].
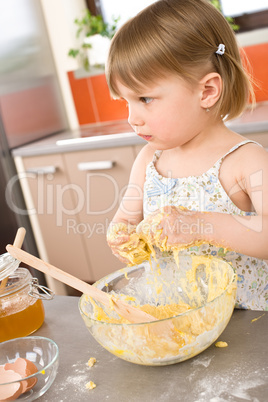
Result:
[[95, 136], [238, 372], [252, 124]]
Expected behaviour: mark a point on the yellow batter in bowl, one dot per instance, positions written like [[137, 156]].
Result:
[[192, 299]]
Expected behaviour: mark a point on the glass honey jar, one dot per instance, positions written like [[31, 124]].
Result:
[[21, 307]]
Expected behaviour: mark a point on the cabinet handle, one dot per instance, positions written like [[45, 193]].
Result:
[[98, 165], [42, 170]]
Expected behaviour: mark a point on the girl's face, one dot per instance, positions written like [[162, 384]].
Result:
[[167, 114]]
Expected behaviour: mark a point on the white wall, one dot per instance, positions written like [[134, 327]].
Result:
[[59, 16], [253, 37]]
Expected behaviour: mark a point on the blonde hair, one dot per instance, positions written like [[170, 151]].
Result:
[[181, 37]]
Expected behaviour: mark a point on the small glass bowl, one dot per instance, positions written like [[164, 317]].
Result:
[[43, 352]]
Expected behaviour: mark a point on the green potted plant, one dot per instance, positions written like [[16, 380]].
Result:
[[217, 4], [95, 36]]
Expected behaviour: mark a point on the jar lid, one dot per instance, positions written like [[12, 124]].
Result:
[[8, 265]]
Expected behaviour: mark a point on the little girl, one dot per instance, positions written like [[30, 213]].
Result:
[[178, 67]]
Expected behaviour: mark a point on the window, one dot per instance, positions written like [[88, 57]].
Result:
[[240, 7], [247, 14], [123, 8]]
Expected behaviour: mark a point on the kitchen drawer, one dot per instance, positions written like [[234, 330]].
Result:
[[55, 202]]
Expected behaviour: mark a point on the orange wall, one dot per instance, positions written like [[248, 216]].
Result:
[[93, 102], [258, 58]]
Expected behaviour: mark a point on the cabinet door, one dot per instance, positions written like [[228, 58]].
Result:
[[55, 203], [102, 175]]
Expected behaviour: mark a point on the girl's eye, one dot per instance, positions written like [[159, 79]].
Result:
[[145, 99]]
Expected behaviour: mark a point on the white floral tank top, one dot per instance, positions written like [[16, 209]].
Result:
[[205, 193]]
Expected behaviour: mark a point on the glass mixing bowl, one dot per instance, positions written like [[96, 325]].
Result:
[[206, 285]]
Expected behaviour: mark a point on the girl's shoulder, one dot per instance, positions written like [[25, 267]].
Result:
[[248, 152], [254, 161], [146, 155], [141, 162], [244, 162]]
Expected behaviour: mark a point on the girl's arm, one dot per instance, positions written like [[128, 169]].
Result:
[[130, 211], [245, 234]]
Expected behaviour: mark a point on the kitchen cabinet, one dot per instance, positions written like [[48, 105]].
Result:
[[102, 175], [71, 198], [49, 195]]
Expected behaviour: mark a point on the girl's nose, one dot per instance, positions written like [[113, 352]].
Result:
[[133, 117]]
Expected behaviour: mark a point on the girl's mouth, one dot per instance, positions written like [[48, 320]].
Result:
[[145, 137]]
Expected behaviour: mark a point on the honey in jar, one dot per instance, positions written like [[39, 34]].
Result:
[[20, 313]]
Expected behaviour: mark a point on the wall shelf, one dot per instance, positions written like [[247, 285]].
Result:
[[82, 73]]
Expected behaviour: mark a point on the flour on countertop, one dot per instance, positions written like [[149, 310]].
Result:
[[203, 361], [81, 375], [232, 386]]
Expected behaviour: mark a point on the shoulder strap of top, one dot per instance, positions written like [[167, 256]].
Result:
[[156, 156], [158, 153], [236, 147]]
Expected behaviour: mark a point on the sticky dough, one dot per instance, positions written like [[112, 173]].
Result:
[[140, 246]]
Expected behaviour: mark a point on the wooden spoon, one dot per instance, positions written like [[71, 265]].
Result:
[[126, 311], [17, 243]]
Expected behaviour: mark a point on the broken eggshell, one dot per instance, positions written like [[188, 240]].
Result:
[[25, 368], [10, 392], [41, 352]]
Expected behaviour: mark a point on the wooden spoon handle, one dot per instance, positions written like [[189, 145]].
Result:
[[17, 243], [131, 313], [58, 274], [21, 232]]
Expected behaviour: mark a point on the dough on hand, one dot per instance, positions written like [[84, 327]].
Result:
[[152, 234], [147, 236]]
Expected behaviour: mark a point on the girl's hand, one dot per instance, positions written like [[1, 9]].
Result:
[[171, 226], [126, 244], [179, 226], [118, 238]]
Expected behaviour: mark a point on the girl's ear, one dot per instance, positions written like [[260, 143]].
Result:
[[211, 88]]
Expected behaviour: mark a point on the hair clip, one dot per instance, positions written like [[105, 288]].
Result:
[[221, 49]]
